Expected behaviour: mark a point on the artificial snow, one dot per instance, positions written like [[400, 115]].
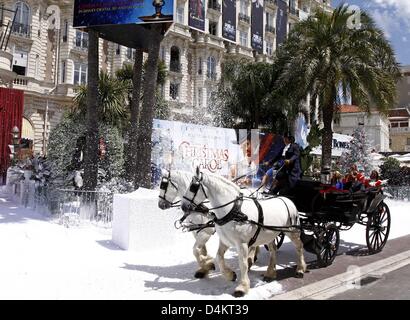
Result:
[[42, 259]]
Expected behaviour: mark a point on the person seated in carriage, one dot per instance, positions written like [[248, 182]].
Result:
[[337, 180], [288, 169], [374, 180]]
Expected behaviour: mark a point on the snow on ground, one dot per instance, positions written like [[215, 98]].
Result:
[[42, 259]]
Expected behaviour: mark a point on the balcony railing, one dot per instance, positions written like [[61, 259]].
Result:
[[80, 44], [211, 75], [175, 66], [21, 81], [294, 11], [270, 29], [22, 30], [245, 18], [214, 5], [400, 129]]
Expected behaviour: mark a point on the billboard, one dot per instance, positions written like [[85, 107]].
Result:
[[196, 19], [184, 146], [89, 13], [257, 25], [229, 20], [281, 22], [126, 22]]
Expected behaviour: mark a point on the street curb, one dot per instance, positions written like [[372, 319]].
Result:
[[329, 287]]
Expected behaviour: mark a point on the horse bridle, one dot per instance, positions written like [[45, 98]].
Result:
[[196, 184], [165, 181], [194, 188]]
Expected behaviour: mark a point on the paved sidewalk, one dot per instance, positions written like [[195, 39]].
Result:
[[342, 265]]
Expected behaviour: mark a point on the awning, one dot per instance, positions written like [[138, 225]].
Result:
[[340, 143]]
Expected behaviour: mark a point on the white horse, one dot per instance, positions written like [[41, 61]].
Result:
[[234, 224], [174, 185]]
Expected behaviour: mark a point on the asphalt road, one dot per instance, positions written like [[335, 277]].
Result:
[[391, 286]]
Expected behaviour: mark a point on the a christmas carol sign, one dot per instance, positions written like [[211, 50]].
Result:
[[185, 146]]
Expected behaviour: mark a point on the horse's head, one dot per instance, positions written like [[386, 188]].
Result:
[[168, 191], [195, 194]]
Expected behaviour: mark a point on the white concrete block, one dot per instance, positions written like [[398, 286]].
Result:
[[139, 225]]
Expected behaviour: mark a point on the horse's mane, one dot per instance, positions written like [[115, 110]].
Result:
[[182, 179], [217, 183]]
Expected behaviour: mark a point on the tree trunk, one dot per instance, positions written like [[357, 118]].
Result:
[[131, 163], [143, 176], [327, 136], [91, 145]]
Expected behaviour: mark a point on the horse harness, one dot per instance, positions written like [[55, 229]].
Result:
[[236, 214]]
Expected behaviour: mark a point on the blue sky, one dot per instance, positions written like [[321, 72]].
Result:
[[393, 17]]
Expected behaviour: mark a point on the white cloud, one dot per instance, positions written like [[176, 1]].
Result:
[[404, 39], [386, 21], [402, 5], [401, 8], [392, 16]]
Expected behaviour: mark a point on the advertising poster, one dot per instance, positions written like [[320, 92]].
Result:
[[196, 19], [229, 20], [257, 25], [281, 22], [89, 13], [184, 146]]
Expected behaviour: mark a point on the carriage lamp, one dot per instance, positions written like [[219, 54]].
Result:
[[15, 133], [158, 4], [325, 175]]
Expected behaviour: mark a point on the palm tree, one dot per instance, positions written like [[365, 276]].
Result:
[[245, 94], [111, 101], [131, 156], [132, 77], [329, 60], [143, 174], [91, 147]]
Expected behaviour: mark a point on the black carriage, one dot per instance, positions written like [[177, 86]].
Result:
[[325, 211]]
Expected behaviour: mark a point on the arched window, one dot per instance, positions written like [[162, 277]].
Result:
[[22, 19], [175, 64], [211, 68]]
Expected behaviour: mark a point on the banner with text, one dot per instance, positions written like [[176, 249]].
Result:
[[196, 19], [184, 146], [89, 13], [257, 25], [281, 22], [229, 20]]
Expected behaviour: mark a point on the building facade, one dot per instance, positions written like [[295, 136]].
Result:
[[400, 130], [400, 116], [49, 63], [403, 88], [375, 124]]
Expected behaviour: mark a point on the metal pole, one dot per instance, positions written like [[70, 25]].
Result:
[[45, 127]]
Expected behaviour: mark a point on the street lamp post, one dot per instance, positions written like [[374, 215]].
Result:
[[15, 133]]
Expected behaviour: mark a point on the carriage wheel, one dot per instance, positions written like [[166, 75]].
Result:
[[329, 240], [378, 228], [278, 241]]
